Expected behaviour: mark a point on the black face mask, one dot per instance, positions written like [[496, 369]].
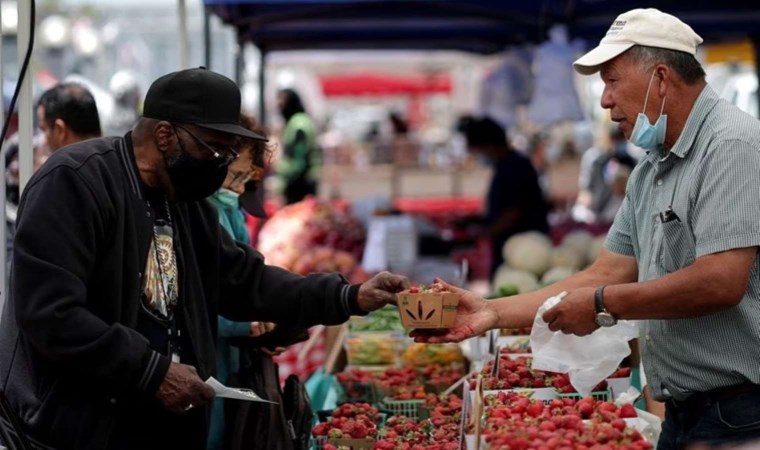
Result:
[[12, 193], [194, 179]]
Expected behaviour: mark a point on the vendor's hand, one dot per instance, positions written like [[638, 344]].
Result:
[[381, 290], [259, 328], [474, 317], [182, 389], [575, 314], [277, 351]]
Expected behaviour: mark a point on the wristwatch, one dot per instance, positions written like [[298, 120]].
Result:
[[603, 317]]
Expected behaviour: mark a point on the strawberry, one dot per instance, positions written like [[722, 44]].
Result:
[[360, 431], [585, 410], [535, 410], [627, 411]]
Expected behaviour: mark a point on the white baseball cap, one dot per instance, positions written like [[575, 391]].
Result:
[[650, 27]]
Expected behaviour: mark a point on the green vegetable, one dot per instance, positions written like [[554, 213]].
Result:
[[384, 319]]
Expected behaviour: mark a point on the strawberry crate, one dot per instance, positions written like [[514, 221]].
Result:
[[602, 396], [358, 392], [318, 443], [413, 409]]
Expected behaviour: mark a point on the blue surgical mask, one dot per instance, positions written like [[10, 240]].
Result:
[[646, 135], [228, 198]]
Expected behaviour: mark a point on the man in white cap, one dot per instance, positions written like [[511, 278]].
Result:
[[682, 254]]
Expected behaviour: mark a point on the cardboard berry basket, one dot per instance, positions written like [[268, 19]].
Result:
[[427, 310]]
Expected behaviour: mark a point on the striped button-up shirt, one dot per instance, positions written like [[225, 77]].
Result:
[[711, 178]]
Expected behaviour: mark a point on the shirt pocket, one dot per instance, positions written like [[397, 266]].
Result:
[[677, 249]]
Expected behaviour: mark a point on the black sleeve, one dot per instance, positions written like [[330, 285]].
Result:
[[273, 294], [61, 225]]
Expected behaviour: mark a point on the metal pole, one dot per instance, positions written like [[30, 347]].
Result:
[[262, 86], [25, 112], [182, 11], [239, 63], [206, 38]]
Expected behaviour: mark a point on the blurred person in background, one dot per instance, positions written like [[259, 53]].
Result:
[[537, 151], [298, 167], [121, 269], [515, 201], [125, 88], [619, 174], [599, 165], [67, 113], [12, 186]]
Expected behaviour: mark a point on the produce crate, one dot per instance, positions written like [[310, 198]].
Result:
[[602, 396], [358, 392], [354, 444], [546, 395], [373, 348], [325, 415], [413, 409]]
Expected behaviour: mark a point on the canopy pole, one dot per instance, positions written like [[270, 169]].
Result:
[[25, 112], [262, 86], [206, 38], [183, 45]]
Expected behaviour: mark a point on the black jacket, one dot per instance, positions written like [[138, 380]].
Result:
[[70, 359]]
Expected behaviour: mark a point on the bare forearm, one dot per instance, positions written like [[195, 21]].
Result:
[[520, 310], [609, 268], [713, 283]]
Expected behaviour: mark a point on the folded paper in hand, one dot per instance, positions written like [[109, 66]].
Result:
[[587, 359], [234, 393]]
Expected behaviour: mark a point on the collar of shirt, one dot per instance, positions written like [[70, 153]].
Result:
[[705, 102]]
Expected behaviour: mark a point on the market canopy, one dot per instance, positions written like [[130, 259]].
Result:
[[480, 26]]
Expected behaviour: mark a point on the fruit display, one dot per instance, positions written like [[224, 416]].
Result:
[[313, 235], [365, 349], [517, 373], [419, 355], [519, 346], [532, 261], [420, 420], [516, 331], [513, 421]]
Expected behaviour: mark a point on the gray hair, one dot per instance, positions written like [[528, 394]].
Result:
[[685, 65]]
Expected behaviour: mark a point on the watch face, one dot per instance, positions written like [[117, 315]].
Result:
[[605, 320]]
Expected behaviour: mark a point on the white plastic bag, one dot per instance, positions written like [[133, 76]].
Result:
[[587, 359]]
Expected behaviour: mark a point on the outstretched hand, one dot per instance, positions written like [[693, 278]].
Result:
[[381, 290], [474, 317]]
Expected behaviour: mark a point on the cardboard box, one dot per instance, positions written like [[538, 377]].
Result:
[[427, 310]]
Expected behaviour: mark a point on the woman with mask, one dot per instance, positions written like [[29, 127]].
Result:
[[246, 170]]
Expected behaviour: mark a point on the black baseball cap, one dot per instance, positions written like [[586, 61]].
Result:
[[199, 97], [252, 199]]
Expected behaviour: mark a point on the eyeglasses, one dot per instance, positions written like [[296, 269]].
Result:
[[225, 159], [256, 173]]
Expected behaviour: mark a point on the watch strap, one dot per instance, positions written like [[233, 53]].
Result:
[[599, 300]]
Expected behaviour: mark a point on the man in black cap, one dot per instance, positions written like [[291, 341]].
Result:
[[120, 271]]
